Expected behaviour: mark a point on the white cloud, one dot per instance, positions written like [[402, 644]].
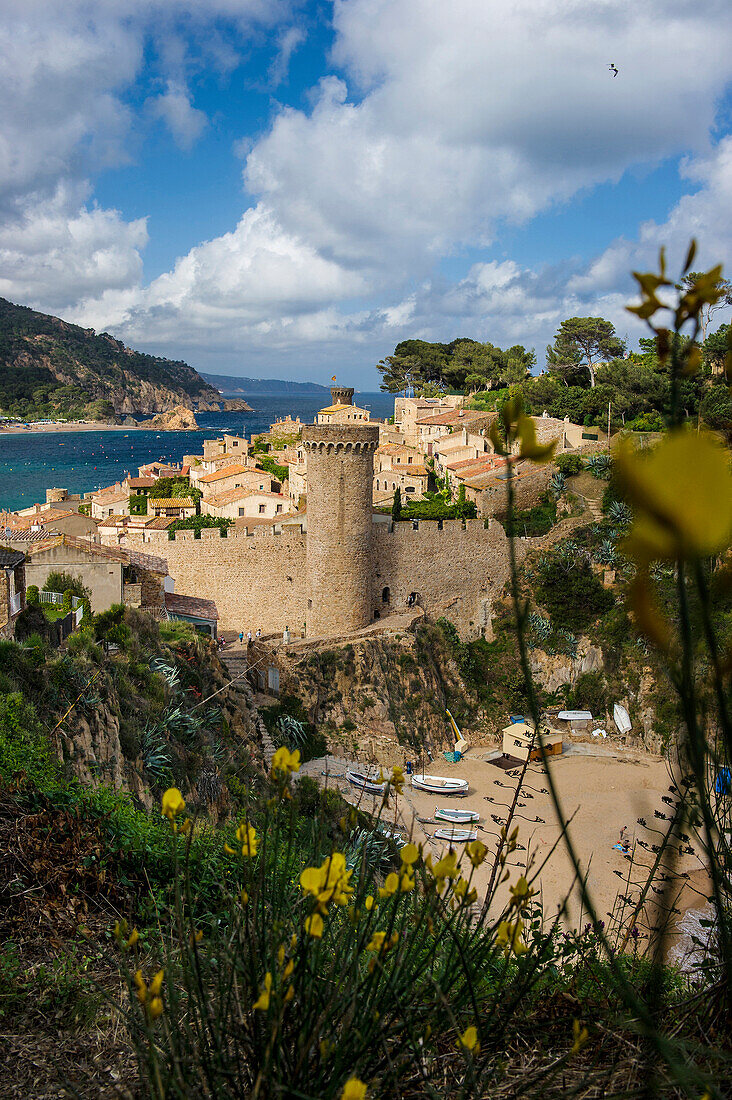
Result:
[[289, 40], [185, 122]]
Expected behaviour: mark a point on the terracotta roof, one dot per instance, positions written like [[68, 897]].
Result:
[[192, 606], [141, 482], [23, 535], [395, 448], [160, 523], [457, 416], [113, 521], [110, 498], [228, 471], [170, 502], [239, 494], [336, 408], [486, 460]]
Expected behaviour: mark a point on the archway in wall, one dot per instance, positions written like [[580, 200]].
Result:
[[386, 596]]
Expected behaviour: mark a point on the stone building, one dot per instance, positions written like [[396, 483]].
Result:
[[342, 409], [12, 587]]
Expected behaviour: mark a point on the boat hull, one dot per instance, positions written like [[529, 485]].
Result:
[[457, 817], [456, 836], [436, 784], [622, 718], [363, 783]]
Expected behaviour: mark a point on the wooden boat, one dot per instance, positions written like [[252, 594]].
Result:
[[365, 783], [622, 718], [438, 784], [456, 836], [575, 715], [457, 817]]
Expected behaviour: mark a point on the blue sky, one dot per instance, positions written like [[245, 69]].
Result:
[[281, 189]]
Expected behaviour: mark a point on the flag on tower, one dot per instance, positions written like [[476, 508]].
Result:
[[333, 378]]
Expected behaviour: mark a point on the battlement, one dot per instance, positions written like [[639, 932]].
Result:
[[340, 438]]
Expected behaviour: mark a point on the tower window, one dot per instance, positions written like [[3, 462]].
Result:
[[385, 595]]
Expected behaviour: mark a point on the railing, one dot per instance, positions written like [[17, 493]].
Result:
[[57, 598]]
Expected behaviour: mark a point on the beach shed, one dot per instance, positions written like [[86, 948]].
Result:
[[519, 740]]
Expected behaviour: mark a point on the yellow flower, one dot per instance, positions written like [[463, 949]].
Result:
[[134, 938], [244, 896], [510, 937], [281, 954], [157, 984], [390, 886], [289, 994], [173, 803], [140, 986], [369, 902], [682, 497], [460, 889], [314, 925], [262, 1002], [397, 778], [521, 893], [354, 1090], [581, 1037], [649, 618], [285, 761], [246, 835], [406, 882], [409, 854], [469, 1039], [377, 941], [328, 883], [149, 996], [477, 852], [155, 1008], [288, 970], [447, 867]]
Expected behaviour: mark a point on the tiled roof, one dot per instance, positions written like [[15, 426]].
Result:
[[141, 482], [228, 471], [196, 608], [170, 502], [109, 498], [23, 535], [456, 417], [336, 408], [150, 562], [160, 523]]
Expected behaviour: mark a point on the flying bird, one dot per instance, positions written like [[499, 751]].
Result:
[[614, 70]]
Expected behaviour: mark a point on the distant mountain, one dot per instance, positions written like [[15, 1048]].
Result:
[[227, 385], [49, 368]]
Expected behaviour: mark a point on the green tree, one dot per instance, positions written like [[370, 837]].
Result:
[[725, 299], [396, 508], [400, 373], [65, 582], [578, 345], [716, 347], [716, 410]]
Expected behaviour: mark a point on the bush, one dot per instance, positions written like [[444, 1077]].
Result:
[[197, 523], [32, 595], [31, 621], [569, 464], [60, 582], [68, 597], [589, 692], [535, 521], [571, 593]]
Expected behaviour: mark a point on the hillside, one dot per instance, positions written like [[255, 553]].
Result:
[[227, 384], [49, 368]]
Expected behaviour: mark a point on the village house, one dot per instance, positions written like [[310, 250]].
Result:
[[343, 414], [246, 504], [171, 507], [112, 574], [286, 426], [408, 410], [399, 467], [460, 446], [160, 469], [235, 477], [113, 501], [297, 478], [12, 587], [434, 427], [50, 518], [201, 614], [138, 484]]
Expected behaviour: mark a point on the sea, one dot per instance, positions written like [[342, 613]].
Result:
[[31, 462]]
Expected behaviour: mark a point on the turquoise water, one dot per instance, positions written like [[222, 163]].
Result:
[[83, 461]]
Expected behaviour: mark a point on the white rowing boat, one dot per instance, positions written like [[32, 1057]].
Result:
[[575, 715], [457, 817], [364, 783], [437, 784], [456, 836], [622, 718]]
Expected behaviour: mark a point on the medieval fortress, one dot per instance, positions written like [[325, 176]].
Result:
[[310, 556]]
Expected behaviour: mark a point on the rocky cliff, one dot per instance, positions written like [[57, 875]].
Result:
[[179, 419], [51, 368]]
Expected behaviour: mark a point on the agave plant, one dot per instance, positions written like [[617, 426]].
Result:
[[606, 553], [170, 673], [558, 484], [155, 751], [620, 514], [371, 850], [290, 732], [600, 466], [541, 627]]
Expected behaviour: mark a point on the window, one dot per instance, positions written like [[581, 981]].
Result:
[[279, 507], [377, 483], [409, 461], [385, 596], [261, 509], [242, 511], [409, 489]]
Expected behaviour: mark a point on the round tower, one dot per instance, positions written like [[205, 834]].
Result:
[[341, 395], [340, 475]]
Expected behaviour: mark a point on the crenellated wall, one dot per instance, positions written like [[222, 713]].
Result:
[[260, 579]]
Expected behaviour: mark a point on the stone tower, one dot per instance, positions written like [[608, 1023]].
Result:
[[341, 395], [340, 463]]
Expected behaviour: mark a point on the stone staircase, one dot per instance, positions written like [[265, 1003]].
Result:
[[235, 661]]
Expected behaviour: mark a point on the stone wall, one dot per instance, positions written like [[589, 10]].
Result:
[[259, 580], [529, 487], [102, 577]]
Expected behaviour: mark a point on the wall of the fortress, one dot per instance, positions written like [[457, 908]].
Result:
[[454, 571], [260, 580]]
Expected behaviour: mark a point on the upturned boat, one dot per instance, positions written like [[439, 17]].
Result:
[[438, 784], [575, 715], [365, 783], [456, 836], [457, 817], [622, 718]]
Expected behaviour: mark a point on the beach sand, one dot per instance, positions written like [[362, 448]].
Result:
[[600, 793], [76, 426]]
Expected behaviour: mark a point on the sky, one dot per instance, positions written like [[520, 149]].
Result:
[[287, 189]]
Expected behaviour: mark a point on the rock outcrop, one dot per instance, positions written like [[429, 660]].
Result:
[[179, 419]]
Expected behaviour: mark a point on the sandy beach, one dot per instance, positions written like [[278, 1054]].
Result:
[[599, 791], [75, 426]]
